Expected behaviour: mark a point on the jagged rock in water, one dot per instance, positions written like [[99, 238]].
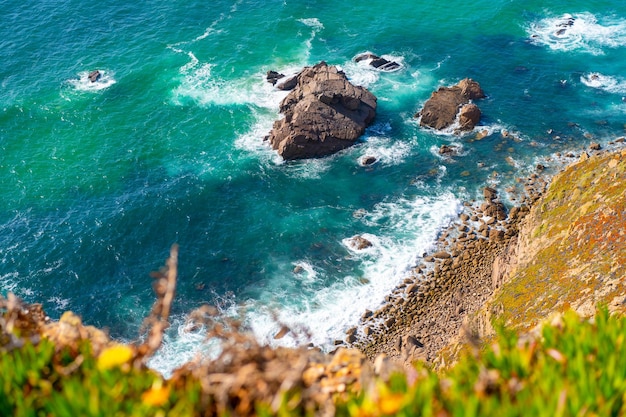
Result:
[[378, 62], [368, 160], [273, 77], [359, 242], [441, 109], [324, 114], [94, 76]]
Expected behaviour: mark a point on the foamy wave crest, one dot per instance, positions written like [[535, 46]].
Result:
[[316, 26], [313, 23], [604, 82], [385, 150], [408, 228], [9, 283], [582, 31], [363, 74], [199, 85], [181, 344], [82, 83], [321, 314]]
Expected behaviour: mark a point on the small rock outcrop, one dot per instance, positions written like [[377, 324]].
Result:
[[378, 62], [272, 77], [359, 242], [94, 76], [368, 160], [441, 109], [324, 114]]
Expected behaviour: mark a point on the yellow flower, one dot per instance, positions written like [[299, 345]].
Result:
[[114, 356], [156, 396], [390, 404]]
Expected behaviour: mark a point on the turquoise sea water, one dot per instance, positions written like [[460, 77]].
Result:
[[98, 180]]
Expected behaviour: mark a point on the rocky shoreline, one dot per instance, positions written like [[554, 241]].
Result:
[[430, 310]]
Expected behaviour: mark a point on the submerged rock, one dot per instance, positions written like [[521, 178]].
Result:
[[324, 114]]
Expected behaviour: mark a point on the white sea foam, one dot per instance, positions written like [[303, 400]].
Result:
[[603, 82], [386, 150], [408, 228], [363, 74], [82, 83], [307, 273], [200, 85], [322, 314], [9, 282], [60, 304], [181, 344], [316, 26], [313, 23], [583, 32]]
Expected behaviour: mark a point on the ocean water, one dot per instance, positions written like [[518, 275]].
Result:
[[99, 179]]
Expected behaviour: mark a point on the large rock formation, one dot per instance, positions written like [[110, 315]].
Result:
[[441, 109], [324, 114]]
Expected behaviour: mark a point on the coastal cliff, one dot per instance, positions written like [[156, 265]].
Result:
[[565, 251], [523, 272], [570, 252]]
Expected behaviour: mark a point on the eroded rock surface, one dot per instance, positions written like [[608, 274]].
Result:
[[324, 114], [441, 109]]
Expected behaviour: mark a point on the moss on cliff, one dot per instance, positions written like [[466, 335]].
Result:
[[572, 248]]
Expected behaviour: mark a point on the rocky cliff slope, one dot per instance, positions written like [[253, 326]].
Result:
[[567, 252]]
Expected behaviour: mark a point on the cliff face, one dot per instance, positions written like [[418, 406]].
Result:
[[570, 252]]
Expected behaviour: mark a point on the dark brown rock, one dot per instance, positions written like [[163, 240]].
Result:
[[324, 114], [490, 194], [272, 77], [378, 62], [368, 160], [447, 150], [412, 341], [440, 110], [94, 76], [358, 242]]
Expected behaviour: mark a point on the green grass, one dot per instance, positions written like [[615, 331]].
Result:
[[575, 367]]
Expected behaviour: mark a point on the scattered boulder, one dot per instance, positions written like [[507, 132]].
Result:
[[490, 194], [94, 76], [496, 210], [447, 150], [282, 332], [412, 341], [272, 77], [564, 24], [358, 242], [441, 109], [368, 160], [324, 114], [378, 62]]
